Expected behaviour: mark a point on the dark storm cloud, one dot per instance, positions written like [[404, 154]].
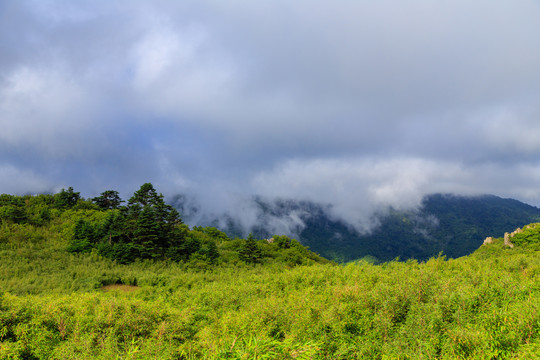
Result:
[[359, 104]]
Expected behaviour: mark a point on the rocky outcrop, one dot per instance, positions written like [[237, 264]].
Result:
[[507, 240], [531, 229], [488, 240], [517, 231]]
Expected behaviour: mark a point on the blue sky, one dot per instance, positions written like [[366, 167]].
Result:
[[359, 104]]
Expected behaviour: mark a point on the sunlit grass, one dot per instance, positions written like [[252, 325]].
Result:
[[57, 305]]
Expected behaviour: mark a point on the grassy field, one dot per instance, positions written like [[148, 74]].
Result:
[[64, 307], [60, 305]]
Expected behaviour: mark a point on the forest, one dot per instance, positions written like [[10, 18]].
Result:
[[104, 278]]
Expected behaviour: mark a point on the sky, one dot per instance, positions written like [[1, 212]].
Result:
[[357, 104]]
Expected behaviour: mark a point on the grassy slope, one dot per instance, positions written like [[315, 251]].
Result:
[[52, 306]]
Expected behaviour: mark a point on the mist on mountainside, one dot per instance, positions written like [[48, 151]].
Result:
[[451, 224]]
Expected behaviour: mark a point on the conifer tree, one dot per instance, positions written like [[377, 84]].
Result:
[[250, 252], [83, 237], [109, 199], [146, 235], [210, 251], [66, 198]]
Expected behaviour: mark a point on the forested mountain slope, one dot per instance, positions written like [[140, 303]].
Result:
[[453, 225], [146, 228]]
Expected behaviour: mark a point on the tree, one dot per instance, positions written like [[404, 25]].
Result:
[[210, 251], [182, 245], [145, 228], [250, 252], [83, 237], [166, 217], [146, 195], [113, 228], [146, 235], [108, 200], [66, 199], [13, 213], [213, 232], [282, 241]]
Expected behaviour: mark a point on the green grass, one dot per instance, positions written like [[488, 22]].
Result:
[[59, 305], [481, 306]]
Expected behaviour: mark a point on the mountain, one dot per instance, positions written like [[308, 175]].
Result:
[[451, 224]]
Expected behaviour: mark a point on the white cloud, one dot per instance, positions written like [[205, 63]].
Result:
[[359, 187], [42, 108], [510, 129]]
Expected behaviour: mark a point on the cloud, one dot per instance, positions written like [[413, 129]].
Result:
[[36, 103], [356, 104], [22, 181], [358, 188]]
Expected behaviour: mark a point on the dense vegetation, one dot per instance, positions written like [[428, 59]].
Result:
[[453, 225], [255, 300], [146, 228]]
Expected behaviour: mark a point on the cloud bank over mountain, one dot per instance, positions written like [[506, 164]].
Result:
[[359, 105]]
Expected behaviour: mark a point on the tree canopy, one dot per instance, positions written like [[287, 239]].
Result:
[[144, 227]]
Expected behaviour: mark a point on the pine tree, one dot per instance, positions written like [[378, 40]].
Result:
[[210, 251], [66, 198], [112, 230], [146, 235], [250, 252], [108, 200], [83, 237]]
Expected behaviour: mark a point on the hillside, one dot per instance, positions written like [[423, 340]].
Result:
[[453, 225], [146, 228], [57, 303]]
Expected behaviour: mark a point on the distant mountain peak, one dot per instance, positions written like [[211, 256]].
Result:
[[453, 224]]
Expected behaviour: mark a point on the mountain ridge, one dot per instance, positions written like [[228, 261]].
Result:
[[455, 225]]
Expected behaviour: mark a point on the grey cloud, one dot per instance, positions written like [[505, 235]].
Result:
[[22, 181], [356, 104], [359, 187]]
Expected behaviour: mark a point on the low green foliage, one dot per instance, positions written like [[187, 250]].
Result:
[[529, 237], [217, 304]]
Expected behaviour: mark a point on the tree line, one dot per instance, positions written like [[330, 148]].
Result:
[[144, 227]]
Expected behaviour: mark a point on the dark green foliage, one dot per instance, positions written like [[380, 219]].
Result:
[[250, 252], [35, 210], [210, 251], [66, 199], [108, 200], [112, 230], [145, 229], [146, 237], [282, 241], [455, 225], [123, 253], [44, 215], [146, 196], [151, 224], [12, 209], [84, 237], [12, 213], [528, 237], [183, 249]]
